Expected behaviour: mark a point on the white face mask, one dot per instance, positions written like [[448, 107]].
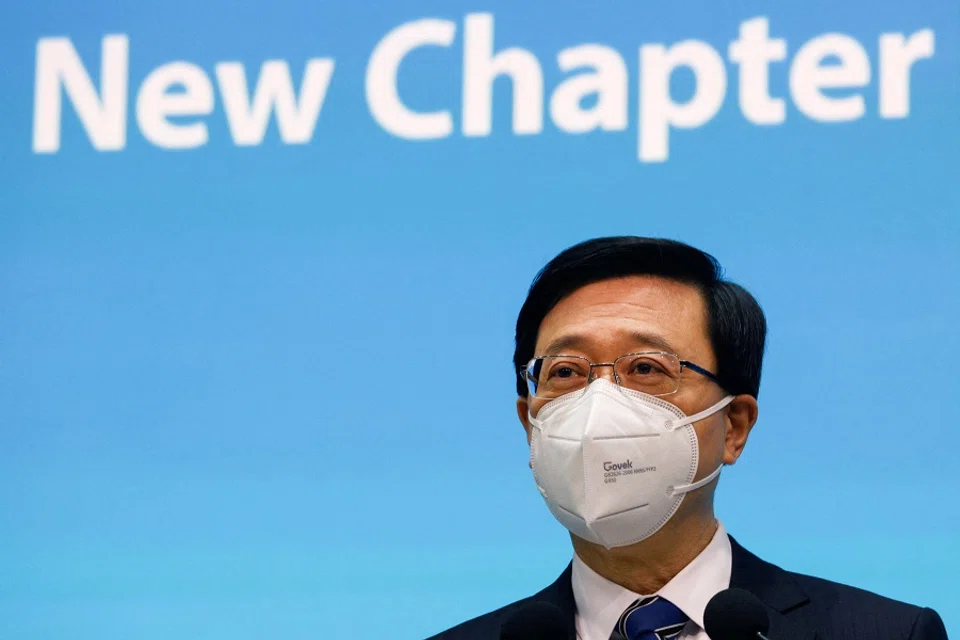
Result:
[[614, 464]]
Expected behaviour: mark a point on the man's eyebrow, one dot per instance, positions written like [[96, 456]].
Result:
[[569, 341], [580, 342], [653, 340]]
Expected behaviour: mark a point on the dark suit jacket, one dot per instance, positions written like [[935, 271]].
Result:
[[800, 607]]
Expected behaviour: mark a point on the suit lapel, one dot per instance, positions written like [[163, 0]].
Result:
[[560, 593], [775, 587]]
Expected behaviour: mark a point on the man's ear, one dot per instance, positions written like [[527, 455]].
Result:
[[523, 408], [741, 415]]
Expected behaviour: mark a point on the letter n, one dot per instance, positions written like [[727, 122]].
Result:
[[103, 115]]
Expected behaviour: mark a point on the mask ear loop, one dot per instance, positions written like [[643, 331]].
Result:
[[684, 488], [690, 420], [709, 411]]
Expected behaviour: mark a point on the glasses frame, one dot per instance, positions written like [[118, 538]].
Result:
[[527, 370]]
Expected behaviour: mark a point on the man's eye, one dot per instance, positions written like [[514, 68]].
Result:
[[644, 367]]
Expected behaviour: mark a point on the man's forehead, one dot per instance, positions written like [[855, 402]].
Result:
[[629, 309], [641, 295]]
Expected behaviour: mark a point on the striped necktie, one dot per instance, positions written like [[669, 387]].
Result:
[[652, 618]]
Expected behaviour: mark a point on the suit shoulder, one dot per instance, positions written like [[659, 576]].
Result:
[[851, 607], [487, 626], [844, 595], [841, 611], [483, 627]]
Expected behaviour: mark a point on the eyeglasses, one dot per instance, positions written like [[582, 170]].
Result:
[[656, 373]]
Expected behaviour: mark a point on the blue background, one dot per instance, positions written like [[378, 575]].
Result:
[[223, 406]]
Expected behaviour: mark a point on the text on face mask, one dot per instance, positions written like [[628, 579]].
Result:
[[613, 470]]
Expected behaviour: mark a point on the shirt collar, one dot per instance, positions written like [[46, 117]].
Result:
[[600, 601]]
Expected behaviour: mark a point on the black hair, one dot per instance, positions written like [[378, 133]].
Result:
[[737, 327]]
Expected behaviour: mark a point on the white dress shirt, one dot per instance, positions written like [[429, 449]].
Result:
[[600, 602]]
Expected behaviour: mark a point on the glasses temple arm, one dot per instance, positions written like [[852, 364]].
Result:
[[699, 369]]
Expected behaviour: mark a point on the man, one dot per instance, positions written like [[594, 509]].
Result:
[[638, 371]]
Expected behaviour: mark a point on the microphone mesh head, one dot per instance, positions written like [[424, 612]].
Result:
[[538, 620], [735, 614]]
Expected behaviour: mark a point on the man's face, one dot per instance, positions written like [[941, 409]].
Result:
[[607, 319]]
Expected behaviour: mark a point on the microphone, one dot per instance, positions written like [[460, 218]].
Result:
[[538, 620], [735, 614]]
